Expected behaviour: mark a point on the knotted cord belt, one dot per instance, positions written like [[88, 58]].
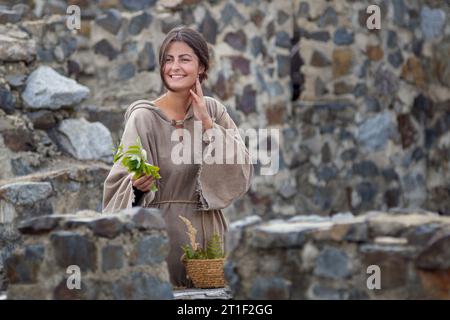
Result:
[[175, 201]]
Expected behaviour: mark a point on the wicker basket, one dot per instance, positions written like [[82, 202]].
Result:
[[206, 273]]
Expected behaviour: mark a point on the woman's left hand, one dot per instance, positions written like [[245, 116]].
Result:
[[199, 105]]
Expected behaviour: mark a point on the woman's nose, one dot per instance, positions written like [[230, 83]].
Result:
[[175, 65]]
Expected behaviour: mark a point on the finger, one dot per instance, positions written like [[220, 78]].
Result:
[[141, 181], [194, 96], [134, 179], [147, 186], [198, 87]]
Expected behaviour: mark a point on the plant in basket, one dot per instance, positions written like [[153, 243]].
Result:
[[204, 266]]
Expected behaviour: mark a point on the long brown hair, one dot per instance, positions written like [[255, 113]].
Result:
[[194, 40]]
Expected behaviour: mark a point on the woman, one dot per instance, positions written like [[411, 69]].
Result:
[[197, 190]]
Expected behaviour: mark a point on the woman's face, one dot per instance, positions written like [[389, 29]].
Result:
[[181, 66]]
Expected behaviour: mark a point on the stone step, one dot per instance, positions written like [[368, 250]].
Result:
[[194, 294], [65, 189]]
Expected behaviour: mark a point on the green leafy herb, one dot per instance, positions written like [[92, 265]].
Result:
[[135, 160], [214, 250]]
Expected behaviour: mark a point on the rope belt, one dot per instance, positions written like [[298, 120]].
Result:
[[175, 201]]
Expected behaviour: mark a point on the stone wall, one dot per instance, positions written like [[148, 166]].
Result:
[[120, 256], [367, 127], [113, 62], [63, 190], [63, 93], [370, 127], [364, 116], [314, 257]]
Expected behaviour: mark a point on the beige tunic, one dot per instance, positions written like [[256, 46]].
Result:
[[197, 190]]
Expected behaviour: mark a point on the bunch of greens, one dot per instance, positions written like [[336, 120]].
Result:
[[134, 159]]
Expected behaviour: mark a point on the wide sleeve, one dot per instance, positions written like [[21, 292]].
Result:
[[118, 191], [223, 176]]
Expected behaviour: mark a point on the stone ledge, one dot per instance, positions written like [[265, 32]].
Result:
[[314, 257], [119, 256], [193, 294]]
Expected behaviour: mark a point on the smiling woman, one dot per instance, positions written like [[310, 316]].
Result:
[[197, 191]]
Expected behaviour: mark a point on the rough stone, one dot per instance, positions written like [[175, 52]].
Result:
[[323, 36], [407, 131], [437, 254], [329, 18], [386, 83], [17, 48], [126, 71], [273, 288], [396, 59], [208, 28], [139, 22], [375, 131], [240, 64], [144, 286], [247, 102], [147, 60], [85, 140], [342, 61], [318, 59], [375, 53], [321, 292], [390, 260], [48, 89], [112, 258], [284, 65], [105, 48], [230, 13], [23, 268], [367, 192], [392, 39], [71, 248], [342, 88], [432, 22], [224, 87], [137, 5], [108, 227], [26, 193], [399, 12], [87, 291], [151, 250], [7, 101], [282, 235], [333, 263], [39, 225], [283, 39], [412, 71], [111, 20], [237, 40], [145, 219], [42, 119], [365, 169], [327, 173], [9, 16], [19, 140], [343, 37]]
